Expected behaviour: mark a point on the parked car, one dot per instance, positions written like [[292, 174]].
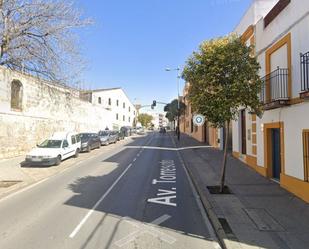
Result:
[[108, 137], [126, 131], [89, 141], [140, 131], [113, 137], [120, 135], [52, 151]]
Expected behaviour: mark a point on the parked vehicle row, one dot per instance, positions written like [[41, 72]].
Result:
[[62, 145]]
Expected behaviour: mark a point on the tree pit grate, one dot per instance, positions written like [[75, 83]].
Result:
[[215, 190]]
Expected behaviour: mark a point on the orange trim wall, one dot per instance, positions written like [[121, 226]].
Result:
[[286, 40]]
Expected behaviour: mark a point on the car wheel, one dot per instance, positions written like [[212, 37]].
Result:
[[88, 148], [99, 145], [58, 160], [76, 153]]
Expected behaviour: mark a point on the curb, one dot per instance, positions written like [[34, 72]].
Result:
[[223, 239]]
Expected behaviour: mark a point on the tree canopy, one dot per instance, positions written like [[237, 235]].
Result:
[[223, 77], [145, 119], [171, 109], [38, 37]]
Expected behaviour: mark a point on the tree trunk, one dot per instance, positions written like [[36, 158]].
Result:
[[178, 130], [223, 170]]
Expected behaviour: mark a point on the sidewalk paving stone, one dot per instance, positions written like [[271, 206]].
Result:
[[260, 213]]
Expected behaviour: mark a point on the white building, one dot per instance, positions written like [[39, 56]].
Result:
[[277, 144], [158, 119], [32, 109], [114, 99]]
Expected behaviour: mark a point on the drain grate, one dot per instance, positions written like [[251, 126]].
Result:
[[227, 229], [6, 184]]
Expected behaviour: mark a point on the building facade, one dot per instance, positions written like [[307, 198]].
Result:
[[31, 110], [206, 133], [277, 144], [114, 99]]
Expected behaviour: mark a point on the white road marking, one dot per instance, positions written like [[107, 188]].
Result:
[[134, 159], [79, 226], [170, 148], [142, 229]]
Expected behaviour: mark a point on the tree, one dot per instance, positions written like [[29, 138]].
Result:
[[172, 112], [223, 77], [145, 119], [171, 109], [37, 37]]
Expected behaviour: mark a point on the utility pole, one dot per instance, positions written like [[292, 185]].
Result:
[[178, 99]]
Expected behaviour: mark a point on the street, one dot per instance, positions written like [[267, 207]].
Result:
[[137, 196]]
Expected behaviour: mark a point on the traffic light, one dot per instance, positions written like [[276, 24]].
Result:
[[154, 103]]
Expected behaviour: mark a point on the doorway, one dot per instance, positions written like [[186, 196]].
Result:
[[274, 149], [243, 132], [276, 155]]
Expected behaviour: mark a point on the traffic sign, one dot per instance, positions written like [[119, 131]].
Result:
[[198, 119]]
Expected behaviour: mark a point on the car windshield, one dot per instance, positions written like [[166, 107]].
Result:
[[84, 136], [103, 133], [50, 144]]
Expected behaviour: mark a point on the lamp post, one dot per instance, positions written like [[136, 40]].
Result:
[[178, 101]]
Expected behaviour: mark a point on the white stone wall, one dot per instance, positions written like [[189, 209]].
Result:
[[45, 109]]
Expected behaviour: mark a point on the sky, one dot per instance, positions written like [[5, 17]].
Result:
[[132, 41]]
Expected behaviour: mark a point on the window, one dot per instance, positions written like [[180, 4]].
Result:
[[73, 139], [117, 102], [77, 138], [124, 105], [117, 116], [109, 101], [123, 118], [129, 108], [99, 100], [65, 144], [129, 119], [306, 154], [16, 95]]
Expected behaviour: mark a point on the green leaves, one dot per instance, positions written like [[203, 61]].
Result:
[[171, 109], [223, 77], [145, 119]]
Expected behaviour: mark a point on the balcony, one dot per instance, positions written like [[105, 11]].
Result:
[[275, 89], [304, 70]]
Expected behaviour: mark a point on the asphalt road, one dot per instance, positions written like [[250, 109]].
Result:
[[139, 196]]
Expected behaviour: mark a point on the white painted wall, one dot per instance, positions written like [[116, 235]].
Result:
[[295, 119], [279, 58], [257, 10], [128, 112], [293, 19]]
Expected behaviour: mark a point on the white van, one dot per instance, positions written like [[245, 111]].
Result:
[[52, 151]]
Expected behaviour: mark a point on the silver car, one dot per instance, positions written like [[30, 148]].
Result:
[[108, 137]]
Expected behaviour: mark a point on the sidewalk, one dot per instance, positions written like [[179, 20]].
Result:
[[259, 213]]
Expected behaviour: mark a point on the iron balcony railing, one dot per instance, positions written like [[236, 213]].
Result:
[[304, 69], [275, 86]]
